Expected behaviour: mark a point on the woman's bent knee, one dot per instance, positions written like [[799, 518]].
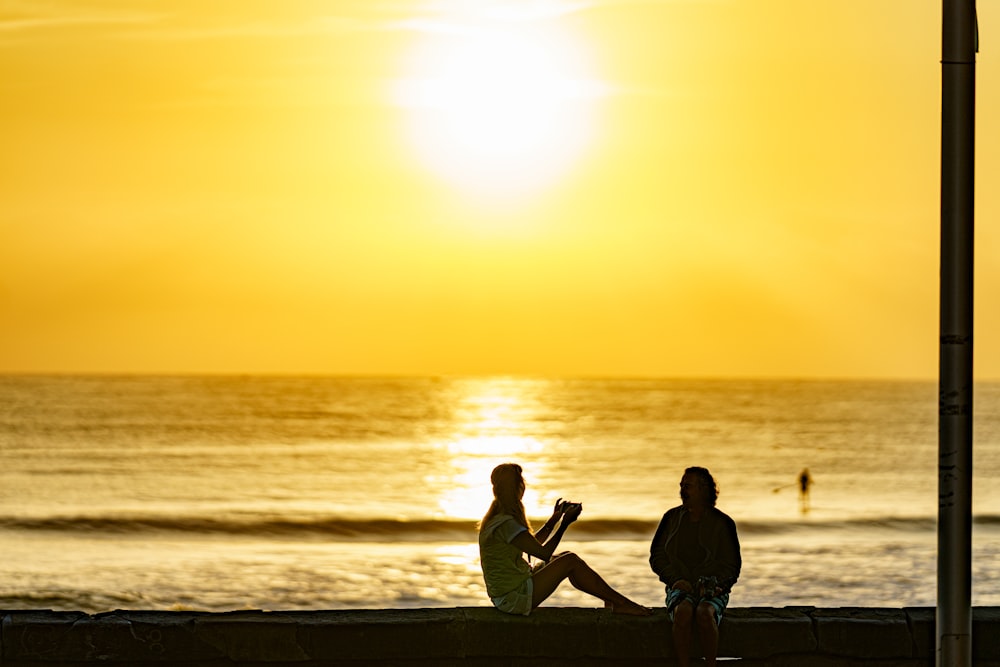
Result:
[[567, 558]]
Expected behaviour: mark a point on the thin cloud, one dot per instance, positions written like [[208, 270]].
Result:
[[436, 15], [285, 22], [261, 29], [29, 23], [533, 10]]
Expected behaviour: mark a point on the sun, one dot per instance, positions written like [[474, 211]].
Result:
[[502, 108]]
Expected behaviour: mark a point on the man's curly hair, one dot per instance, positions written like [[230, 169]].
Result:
[[706, 478]]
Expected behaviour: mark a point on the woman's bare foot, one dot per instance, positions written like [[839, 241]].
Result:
[[629, 609]]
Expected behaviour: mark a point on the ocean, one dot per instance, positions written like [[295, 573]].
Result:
[[285, 493]]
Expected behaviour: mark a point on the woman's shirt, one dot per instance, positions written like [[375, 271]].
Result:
[[504, 565]]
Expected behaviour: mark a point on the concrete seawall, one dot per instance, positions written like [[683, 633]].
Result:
[[474, 637]]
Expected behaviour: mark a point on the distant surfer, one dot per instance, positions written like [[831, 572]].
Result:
[[696, 553], [805, 481]]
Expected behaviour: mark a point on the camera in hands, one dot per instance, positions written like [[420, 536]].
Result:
[[707, 586]]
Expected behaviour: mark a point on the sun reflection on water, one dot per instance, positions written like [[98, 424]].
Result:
[[494, 422], [462, 555]]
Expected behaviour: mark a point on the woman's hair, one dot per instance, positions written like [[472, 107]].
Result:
[[507, 481], [706, 478]]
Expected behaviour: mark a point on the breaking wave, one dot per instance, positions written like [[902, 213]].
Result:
[[426, 530]]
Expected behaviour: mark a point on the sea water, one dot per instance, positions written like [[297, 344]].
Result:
[[221, 493]]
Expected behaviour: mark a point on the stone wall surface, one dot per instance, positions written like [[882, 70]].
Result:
[[474, 637]]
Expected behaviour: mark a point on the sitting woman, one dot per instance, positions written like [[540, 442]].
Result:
[[505, 536]]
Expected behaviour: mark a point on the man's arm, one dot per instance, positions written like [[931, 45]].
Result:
[[728, 561], [659, 561]]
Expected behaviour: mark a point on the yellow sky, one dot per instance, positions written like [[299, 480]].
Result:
[[573, 187]]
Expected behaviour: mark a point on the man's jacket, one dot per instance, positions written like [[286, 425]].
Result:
[[716, 535]]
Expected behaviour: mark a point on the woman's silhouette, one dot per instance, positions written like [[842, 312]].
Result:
[[505, 537]]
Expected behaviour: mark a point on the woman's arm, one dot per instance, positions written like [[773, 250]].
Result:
[[528, 543], [543, 533]]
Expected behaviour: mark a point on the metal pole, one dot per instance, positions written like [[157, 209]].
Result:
[[954, 592]]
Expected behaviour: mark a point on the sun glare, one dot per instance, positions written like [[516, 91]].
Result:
[[505, 108], [495, 422]]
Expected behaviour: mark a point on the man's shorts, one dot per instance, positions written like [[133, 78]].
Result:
[[675, 596], [518, 601]]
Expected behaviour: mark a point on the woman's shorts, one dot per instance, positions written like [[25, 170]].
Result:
[[518, 601], [675, 596]]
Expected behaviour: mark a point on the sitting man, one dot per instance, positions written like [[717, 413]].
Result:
[[696, 553]]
